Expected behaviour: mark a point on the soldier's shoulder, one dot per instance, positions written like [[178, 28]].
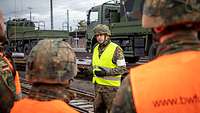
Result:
[[4, 67], [123, 102]]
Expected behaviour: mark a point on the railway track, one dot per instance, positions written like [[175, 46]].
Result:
[[83, 60], [142, 60], [83, 63], [82, 103]]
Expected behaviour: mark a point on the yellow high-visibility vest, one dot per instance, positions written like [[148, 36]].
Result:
[[105, 61]]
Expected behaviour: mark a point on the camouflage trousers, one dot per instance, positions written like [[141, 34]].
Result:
[[103, 98]]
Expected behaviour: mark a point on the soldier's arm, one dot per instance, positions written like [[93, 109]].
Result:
[[123, 101], [119, 60]]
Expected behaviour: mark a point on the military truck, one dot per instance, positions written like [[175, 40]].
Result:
[[23, 34], [124, 20]]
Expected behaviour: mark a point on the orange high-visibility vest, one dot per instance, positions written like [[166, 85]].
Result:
[[17, 84], [169, 84], [33, 106]]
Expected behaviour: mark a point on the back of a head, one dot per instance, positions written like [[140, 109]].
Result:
[[102, 29], [165, 13], [51, 61]]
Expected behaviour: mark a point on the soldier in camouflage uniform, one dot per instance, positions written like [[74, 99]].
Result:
[[8, 91], [108, 67], [50, 68], [170, 83]]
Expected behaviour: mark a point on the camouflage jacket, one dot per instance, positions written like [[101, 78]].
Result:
[[7, 86], [123, 102]]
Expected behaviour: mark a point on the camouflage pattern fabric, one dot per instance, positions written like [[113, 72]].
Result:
[[124, 103], [7, 87], [51, 66], [118, 55], [101, 29], [178, 44], [170, 12], [104, 94], [103, 98], [47, 92], [51, 61], [163, 13]]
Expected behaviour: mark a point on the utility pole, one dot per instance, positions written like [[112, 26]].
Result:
[[30, 8], [51, 8], [68, 20]]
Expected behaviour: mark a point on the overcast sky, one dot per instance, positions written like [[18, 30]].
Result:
[[41, 10]]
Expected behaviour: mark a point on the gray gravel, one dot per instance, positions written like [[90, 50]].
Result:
[[83, 85]]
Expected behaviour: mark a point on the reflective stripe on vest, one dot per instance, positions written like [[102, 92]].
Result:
[[168, 84], [105, 61]]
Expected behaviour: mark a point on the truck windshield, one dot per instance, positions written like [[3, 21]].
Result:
[[93, 17]]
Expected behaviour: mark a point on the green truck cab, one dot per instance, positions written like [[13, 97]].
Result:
[[124, 20]]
